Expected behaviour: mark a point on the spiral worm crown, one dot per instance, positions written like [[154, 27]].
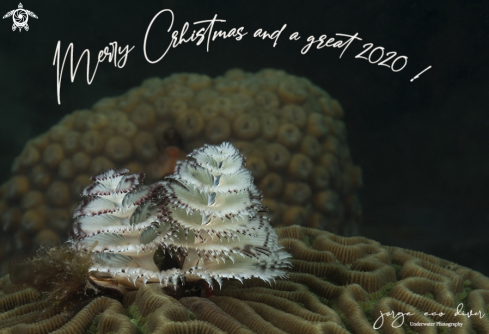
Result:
[[206, 221]]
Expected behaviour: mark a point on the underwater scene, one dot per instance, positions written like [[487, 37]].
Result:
[[214, 166]]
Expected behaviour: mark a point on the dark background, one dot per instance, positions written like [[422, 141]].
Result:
[[422, 145]]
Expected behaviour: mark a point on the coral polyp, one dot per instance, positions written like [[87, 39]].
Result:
[[204, 222]]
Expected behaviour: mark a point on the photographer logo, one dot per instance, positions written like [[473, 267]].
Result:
[[20, 17]]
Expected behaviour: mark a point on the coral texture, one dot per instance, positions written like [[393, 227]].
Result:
[[206, 221], [290, 130], [339, 285]]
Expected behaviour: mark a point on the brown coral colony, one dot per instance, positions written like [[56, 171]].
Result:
[[337, 285], [289, 129]]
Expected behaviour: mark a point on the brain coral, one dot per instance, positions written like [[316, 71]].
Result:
[[290, 130], [338, 285]]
